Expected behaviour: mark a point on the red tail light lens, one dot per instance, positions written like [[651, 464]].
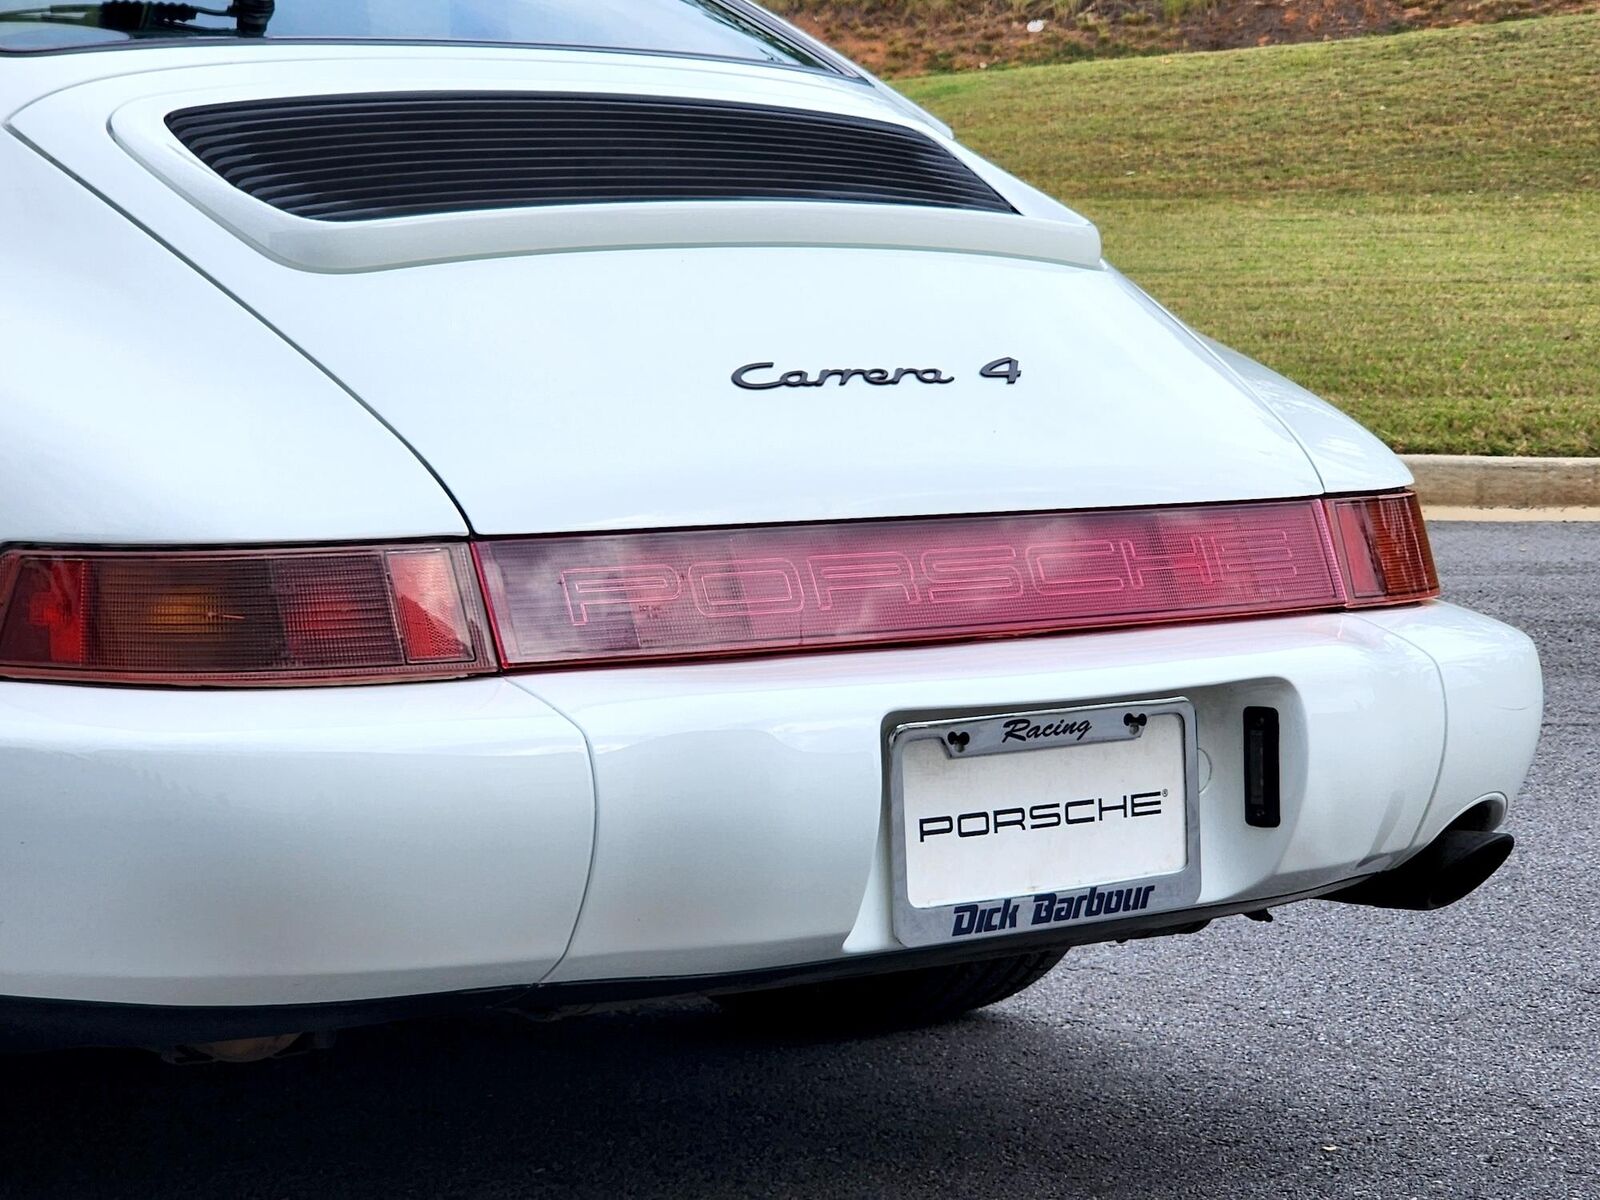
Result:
[[609, 598], [386, 613], [243, 617], [1383, 549]]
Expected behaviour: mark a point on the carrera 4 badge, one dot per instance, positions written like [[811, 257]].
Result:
[[763, 376]]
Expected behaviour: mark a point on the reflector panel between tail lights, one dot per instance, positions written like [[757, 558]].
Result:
[[614, 597]]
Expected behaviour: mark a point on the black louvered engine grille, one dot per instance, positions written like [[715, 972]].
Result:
[[356, 158]]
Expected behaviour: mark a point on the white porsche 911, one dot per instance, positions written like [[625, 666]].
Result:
[[541, 502]]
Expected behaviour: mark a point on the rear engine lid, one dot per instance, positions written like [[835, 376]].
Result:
[[710, 361]]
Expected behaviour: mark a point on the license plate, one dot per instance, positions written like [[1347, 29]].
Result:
[[1045, 819]]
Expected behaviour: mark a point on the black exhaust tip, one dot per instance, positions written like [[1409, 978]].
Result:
[[1452, 866]]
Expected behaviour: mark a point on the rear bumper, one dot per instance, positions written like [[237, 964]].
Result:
[[664, 828], [28, 1023]]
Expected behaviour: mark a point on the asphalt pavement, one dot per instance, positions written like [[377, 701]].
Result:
[[1339, 1052]]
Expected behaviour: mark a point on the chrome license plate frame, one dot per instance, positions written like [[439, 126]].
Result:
[[1058, 732]]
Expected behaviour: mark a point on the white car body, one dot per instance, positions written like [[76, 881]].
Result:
[[188, 366]]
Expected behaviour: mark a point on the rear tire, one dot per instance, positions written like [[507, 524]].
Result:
[[901, 1000]]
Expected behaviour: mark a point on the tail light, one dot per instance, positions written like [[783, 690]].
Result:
[[1383, 549], [382, 613], [226, 618]]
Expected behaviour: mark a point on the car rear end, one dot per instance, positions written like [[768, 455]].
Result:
[[530, 597]]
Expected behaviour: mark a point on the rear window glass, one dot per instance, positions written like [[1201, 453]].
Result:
[[699, 28]]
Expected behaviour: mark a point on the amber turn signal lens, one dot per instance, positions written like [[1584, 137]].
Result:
[[1383, 549]]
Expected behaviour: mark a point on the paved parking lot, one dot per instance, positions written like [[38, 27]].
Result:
[[1336, 1053]]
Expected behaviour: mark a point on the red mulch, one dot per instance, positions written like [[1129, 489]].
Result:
[[986, 33]]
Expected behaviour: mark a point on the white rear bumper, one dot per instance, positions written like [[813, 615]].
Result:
[[304, 847]]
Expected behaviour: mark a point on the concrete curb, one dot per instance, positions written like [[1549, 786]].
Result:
[[1474, 481]]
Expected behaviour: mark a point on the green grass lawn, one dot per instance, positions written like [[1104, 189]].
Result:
[[1408, 225]]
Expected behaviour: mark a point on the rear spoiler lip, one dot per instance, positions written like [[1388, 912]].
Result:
[[453, 237]]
